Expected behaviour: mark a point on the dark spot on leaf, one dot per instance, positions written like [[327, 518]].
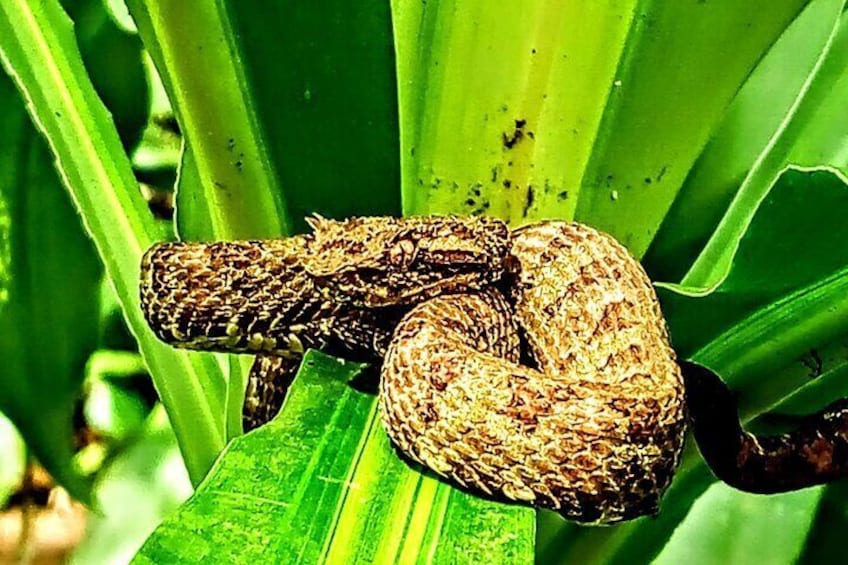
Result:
[[529, 202], [509, 140], [813, 361]]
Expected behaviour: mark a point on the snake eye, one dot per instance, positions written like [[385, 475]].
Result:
[[402, 253]]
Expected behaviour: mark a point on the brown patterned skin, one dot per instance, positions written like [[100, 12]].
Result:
[[248, 296], [378, 261], [594, 431], [816, 452], [279, 297]]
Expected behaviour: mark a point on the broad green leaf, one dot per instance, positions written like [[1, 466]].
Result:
[[759, 341], [500, 103], [801, 218], [197, 54], [817, 112], [683, 63], [323, 78], [756, 113], [321, 484], [582, 109], [48, 324], [38, 49], [726, 526]]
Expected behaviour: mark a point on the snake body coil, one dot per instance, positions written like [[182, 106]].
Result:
[[531, 365], [594, 431]]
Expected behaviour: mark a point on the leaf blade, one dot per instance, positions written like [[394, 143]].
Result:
[[332, 463], [39, 50]]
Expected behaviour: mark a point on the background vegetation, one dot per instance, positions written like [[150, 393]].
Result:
[[709, 136]]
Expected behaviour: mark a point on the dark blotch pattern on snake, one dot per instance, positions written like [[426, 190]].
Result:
[[816, 452], [591, 424]]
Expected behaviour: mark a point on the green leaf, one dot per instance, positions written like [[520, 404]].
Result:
[[38, 49], [113, 58], [323, 78], [683, 63], [48, 325], [321, 484], [500, 102], [726, 526], [588, 110], [820, 99], [196, 52], [755, 115], [803, 210]]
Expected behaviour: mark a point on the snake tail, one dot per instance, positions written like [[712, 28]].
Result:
[[816, 452]]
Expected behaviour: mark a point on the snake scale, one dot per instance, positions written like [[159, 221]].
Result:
[[529, 365]]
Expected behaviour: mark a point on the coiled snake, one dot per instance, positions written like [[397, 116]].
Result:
[[530, 365]]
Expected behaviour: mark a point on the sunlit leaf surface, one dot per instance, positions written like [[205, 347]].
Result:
[[320, 484]]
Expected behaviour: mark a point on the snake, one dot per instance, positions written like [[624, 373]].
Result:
[[529, 365]]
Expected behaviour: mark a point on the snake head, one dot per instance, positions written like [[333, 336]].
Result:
[[379, 261]]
